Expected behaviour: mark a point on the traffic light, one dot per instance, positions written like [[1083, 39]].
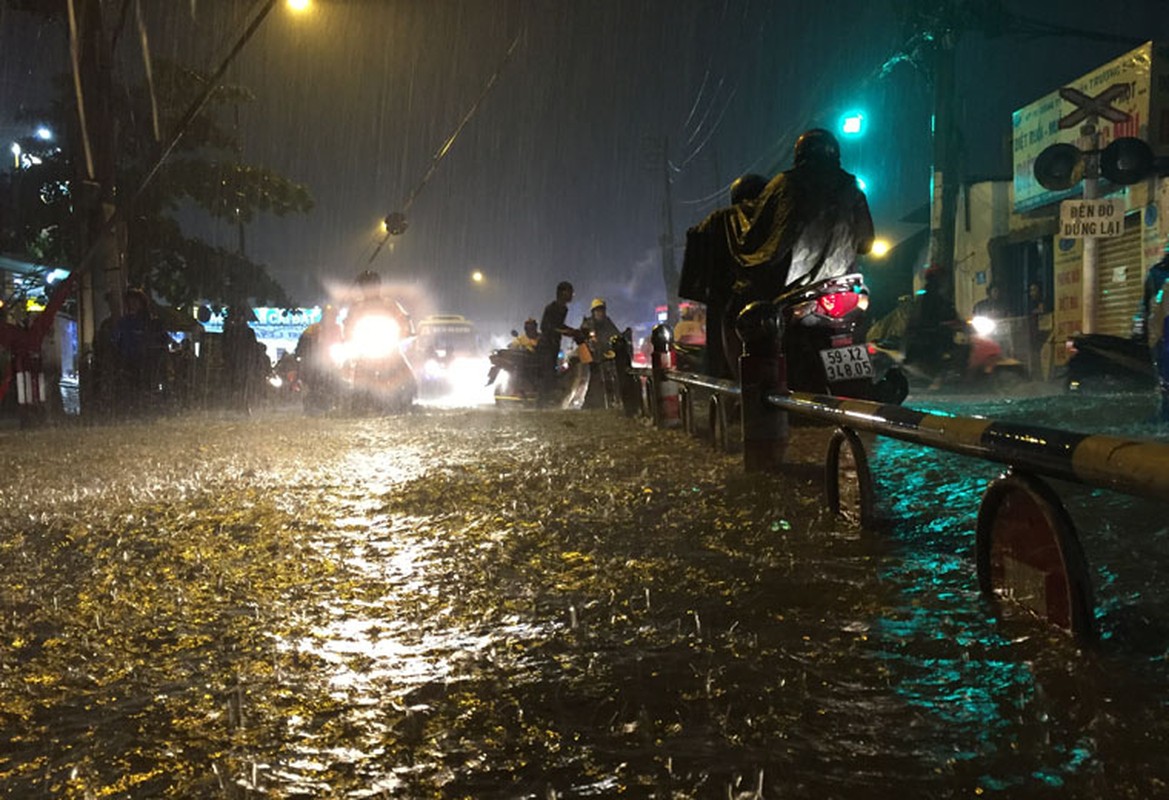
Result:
[[1127, 160], [1059, 166], [1124, 161], [852, 124]]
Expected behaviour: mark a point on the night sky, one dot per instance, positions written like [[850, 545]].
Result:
[[559, 174]]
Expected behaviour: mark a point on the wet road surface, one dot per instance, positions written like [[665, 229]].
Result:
[[507, 605]]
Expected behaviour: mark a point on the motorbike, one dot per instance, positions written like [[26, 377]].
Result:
[[973, 361], [1100, 362], [824, 343], [375, 374], [518, 369]]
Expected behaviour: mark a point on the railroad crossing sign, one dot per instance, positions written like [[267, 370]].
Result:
[[1098, 106]]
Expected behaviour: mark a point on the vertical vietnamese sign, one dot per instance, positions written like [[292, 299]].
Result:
[[1067, 315]]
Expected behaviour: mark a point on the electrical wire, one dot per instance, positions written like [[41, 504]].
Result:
[[445, 148]]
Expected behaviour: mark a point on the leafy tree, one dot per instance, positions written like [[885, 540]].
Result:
[[42, 200]]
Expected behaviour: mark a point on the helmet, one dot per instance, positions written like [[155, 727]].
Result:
[[598, 302], [368, 278], [817, 146], [747, 187]]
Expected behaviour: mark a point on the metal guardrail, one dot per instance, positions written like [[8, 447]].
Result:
[[1027, 552], [1131, 466]]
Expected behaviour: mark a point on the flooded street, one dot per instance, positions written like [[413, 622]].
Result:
[[478, 604]]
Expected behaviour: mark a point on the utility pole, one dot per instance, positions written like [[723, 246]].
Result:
[[1089, 280], [945, 157], [96, 174], [669, 267]]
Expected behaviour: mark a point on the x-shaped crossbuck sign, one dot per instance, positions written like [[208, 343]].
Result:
[[1098, 106]]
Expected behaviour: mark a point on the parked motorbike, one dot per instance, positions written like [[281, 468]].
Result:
[[1103, 363]]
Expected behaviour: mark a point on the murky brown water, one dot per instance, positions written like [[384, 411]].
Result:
[[473, 604]]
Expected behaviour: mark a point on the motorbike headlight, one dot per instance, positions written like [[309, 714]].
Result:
[[983, 326], [374, 336]]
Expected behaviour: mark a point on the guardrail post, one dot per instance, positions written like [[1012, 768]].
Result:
[[763, 371], [667, 412], [628, 386]]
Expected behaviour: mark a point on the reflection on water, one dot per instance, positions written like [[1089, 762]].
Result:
[[1004, 684], [465, 604]]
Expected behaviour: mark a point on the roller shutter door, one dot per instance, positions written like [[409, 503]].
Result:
[[1121, 279]]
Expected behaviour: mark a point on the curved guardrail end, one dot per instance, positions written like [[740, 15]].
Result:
[[1029, 557], [848, 482]]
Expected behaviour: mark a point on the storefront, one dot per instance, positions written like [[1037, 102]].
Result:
[[278, 329]]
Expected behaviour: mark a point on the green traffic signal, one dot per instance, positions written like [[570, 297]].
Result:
[[852, 124]]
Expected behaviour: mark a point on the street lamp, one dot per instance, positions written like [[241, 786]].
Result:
[[477, 277], [880, 248]]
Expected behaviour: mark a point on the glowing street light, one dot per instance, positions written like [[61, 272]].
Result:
[[880, 248], [477, 277], [44, 134]]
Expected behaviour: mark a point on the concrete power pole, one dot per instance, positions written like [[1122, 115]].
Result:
[[944, 201], [1090, 279]]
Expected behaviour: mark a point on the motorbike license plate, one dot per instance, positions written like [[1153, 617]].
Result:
[[846, 363]]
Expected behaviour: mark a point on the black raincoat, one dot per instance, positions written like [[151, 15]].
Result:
[[808, 224]]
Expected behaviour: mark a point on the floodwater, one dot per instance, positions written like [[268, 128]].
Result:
[[479, 604]]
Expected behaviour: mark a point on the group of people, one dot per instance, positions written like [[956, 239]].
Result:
[[139, 367], [594, 336], [933, 321]]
